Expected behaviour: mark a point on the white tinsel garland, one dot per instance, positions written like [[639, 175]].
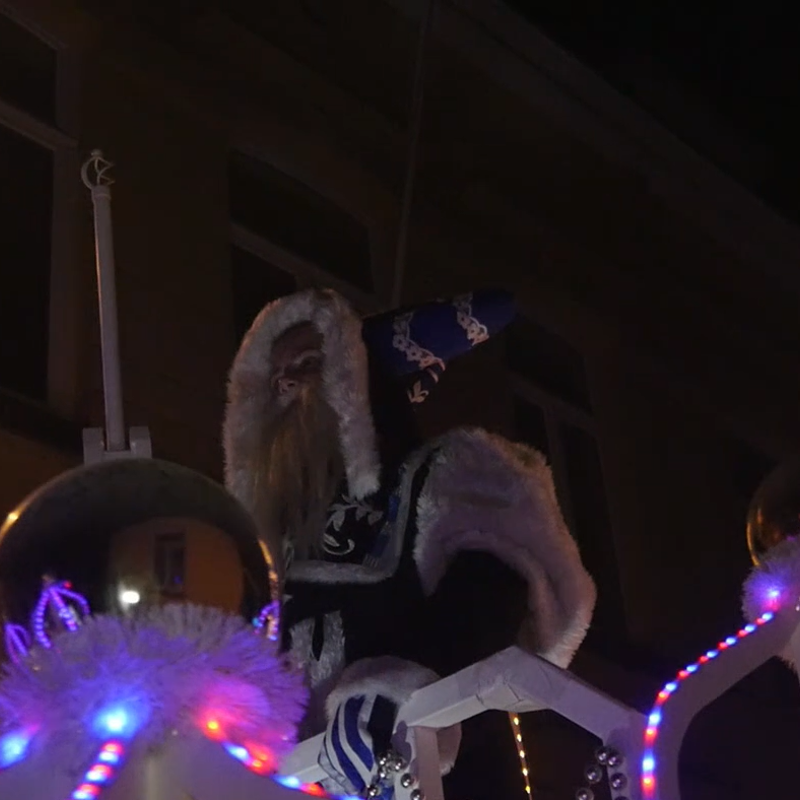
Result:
[[774, 584], [171, 668]]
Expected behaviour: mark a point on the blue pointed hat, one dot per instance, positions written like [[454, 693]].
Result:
[[416, 343]]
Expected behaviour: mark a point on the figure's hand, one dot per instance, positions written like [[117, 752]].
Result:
[[356, 748]]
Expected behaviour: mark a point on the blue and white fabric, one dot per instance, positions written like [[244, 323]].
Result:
[[359, 730], [417, 343]]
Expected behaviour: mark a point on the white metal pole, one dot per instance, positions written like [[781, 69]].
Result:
[[95, 176]]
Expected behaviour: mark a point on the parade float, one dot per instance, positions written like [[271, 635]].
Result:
[[110, 692]]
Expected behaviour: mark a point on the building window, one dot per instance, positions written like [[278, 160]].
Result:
[[552, 413], [256, 282], [36, 159], [298, 224], [28, 140], [27, 71], [26, 204]]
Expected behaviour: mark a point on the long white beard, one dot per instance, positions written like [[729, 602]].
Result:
[[301, 468]]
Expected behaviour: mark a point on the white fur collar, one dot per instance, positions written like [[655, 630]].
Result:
[[345, 380]]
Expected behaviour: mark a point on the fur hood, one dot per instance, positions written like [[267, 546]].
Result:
[[345, 380]]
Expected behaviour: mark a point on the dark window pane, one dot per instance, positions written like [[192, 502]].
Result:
[[292, 216], [255, 283], [27, 71], [170, 566], [26, 199], [529, 425], [548, 361], [592, 524]]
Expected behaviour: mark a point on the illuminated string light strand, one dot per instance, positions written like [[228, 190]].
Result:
[[103, 772], [655, 718], [68, 606], [261, 760], [517, 730]]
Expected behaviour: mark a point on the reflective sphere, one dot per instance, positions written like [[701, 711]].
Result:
[[584, 794], [774, 514], [614, 758], [417, 795], [406, 781], [593, 773], [601, 755], [132, 533], [618, 781]]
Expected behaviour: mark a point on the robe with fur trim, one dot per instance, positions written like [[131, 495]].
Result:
[[462, 552]]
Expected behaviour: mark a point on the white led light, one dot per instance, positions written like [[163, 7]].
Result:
[[129, 597]]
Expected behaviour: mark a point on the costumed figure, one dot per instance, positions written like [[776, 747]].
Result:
[[402, 561]]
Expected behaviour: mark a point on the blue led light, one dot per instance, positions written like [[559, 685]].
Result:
[[237, 751], [648, 764], [654, 720], [121, 720], [671, 687], [731, 641], [289, 781], [13, 748], [749, 628], [691, 668], [768, 616], [712, 654], [108, 757]]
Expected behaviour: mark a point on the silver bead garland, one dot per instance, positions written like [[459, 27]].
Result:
[[389, 765], [605, 758]]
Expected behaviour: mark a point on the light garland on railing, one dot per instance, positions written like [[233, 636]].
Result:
[[102, 773], [517, 730], [654, 719]]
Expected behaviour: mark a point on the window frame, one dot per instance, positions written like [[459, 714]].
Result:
[[306, 272], [556, 411], [61, 139]]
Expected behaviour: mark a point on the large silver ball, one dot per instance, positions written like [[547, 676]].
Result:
[[614, 758], [407, 780], [584, 793], [417, 795]]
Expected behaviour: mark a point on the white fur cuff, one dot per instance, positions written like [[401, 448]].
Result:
[[395, 679]]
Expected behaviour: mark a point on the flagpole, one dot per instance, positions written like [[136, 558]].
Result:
[[112, 443]]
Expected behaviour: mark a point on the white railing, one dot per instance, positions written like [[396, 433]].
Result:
[[515, 681]]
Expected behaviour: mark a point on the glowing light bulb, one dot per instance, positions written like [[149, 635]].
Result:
[[13, 748], [129, 597], [119, 720]]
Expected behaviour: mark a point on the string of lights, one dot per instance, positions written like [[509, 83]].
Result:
[[517, 730]]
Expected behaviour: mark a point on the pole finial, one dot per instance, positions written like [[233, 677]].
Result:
[[95, 170]]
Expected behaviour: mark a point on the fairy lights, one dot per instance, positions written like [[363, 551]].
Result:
[[14, 747], [17, 642], [101, 773], [64, 603], [517, 730], [269, 620], [656, 716], [261, 760]]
